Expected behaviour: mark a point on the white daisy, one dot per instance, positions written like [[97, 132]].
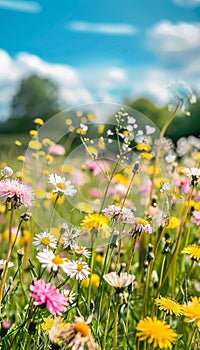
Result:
[[69, 295], [3, 264], [51, 261], [61, 185], [69, 236], [191, 172], [78, 269], [119, 281], [43, 240], [80, 250]]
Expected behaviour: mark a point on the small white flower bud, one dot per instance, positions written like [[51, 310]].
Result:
[[6, 172]]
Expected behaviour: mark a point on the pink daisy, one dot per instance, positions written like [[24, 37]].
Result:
[[119, 213], [196, 217], [48, 295], [16, 192]]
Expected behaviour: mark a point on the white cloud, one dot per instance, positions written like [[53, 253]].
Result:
[[168, 38], [88, 84], [21, 6], [187, 3], [102, 28]]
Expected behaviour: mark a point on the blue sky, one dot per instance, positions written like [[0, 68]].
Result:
[[100, 50]]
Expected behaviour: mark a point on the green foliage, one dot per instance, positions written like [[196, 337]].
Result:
[[36, 97]]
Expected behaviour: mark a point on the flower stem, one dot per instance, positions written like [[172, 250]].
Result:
[[4, 273], [115, 327], [191, 339]]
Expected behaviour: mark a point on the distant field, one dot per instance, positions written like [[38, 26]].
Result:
[[9, 139]]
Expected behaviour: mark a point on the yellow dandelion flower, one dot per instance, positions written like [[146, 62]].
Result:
[[193, 251], [79, 114], [71, 128], [84, 120], [173, 222], [47, 324], [95, 221], [91, 117], [68, 121], [101, 143], [193, 204], [80, 131], [95, 280], [192, 311], [160, 181], [169, 305], [143, 147], [35, 155], [47, 142], [49, 158], [150, 170], [39, 121], [18, 143], [121, 179], [101, 129], [156, 332], [99, 258], [21, 158], [41, 153], [33, 132], [146, 155], [35, 145]]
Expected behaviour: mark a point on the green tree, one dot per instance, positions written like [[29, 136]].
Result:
[[36, 97]]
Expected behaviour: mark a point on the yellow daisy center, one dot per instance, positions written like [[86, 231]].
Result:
[[45, 241], [61, 185], [57, 260], [141, 221], [79, 267], [82, 328]]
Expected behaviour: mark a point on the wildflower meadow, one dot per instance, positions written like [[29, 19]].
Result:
[[100, 233]]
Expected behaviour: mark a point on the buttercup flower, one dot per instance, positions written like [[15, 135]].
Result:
[[119, 281], [78, 269], [46, 294], [169, 305], [192, 311], [16, 192], [95, 280], [156, 332], [44, 240], [193, 251], [61, 185], [51, 261]]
